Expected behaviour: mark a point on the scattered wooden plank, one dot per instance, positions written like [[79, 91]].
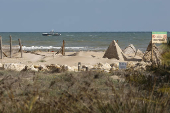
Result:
[[62, 49], [4, 54]]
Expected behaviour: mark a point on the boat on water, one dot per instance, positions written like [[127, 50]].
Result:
[[52, 33]]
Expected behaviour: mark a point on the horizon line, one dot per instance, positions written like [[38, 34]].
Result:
[[80, 31]]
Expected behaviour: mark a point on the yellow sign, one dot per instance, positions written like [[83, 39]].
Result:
[[159, 37]]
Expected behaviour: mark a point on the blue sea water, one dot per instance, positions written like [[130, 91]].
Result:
[[75, 41]]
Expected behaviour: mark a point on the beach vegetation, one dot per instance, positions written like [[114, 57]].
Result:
[[42, 60], [97, 92], [166, 52]]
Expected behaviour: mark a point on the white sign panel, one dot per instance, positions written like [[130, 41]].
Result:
[[159, 37], [122, 65]]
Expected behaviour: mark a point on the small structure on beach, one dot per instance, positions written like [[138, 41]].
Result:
[[156, 54], [114, 51], [130, 50], [131, 54], [139, 53]]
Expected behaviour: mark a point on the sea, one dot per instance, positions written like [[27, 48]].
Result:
[[77, 41]]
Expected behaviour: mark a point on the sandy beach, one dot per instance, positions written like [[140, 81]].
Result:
[[70, 58], [105, 60]]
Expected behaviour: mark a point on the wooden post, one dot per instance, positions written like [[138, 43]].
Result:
[[20, 46], [151, 49], [63, 48], [10, 46], [1, 47], [152, 53]]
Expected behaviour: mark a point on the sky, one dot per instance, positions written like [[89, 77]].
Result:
[[84, 15]]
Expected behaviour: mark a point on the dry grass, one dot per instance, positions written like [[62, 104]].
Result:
[[88, 92]]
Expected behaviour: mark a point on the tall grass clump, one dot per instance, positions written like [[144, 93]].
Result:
[[166, 52]]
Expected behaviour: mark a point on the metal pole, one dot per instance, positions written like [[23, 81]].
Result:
[[152, 53]]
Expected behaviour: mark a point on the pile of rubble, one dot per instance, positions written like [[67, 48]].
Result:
[[62, 68]]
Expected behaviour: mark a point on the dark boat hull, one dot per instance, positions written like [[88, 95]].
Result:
[[49, 34]]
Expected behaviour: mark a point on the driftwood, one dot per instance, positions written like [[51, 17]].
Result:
[[60, 50], [5, 54]]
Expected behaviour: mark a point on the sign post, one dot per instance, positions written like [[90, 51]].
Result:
[[158, 37]]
